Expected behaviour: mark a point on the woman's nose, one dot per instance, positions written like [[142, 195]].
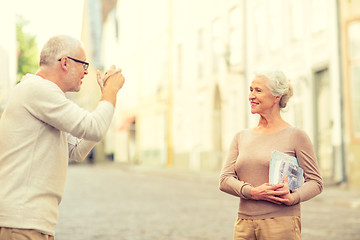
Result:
[[251, 95]]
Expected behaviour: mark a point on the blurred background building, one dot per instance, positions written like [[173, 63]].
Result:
[[188, 66], [8, 54], [349, 24]]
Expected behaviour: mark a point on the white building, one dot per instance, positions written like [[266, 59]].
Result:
[[188, 66], [8, 53], [136, 38]]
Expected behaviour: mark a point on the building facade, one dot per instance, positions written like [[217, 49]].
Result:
[[137, 38], [8, 53], [349, 15], [94, 14], [188, 66], [215, 54]]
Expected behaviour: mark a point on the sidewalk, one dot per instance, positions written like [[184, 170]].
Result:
[[105, 202], [339, 195]]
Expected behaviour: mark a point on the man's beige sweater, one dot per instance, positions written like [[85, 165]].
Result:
[[35, 148], [247, 166]]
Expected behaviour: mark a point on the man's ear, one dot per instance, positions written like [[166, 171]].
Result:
[[64, 63]]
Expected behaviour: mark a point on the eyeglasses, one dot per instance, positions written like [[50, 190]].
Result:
[[85, 64]]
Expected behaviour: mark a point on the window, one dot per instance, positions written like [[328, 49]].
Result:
[[217, 45], [354, 69], [319, 15], [297, 26], [179, 65], [299, 101], [155, 68], [354, 40], [260, 28], [200, 54], [235, 37], [276, 20], [355, 97]]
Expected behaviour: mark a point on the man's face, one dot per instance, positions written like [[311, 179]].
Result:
[[76, 71]]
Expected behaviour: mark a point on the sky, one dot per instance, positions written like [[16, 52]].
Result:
[[50, 17]]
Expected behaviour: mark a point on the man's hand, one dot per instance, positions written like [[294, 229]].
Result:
[[112, 82], [272, 193], [99, 80], [110, 75]]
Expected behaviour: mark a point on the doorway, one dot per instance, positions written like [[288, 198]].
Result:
[[323, 123]]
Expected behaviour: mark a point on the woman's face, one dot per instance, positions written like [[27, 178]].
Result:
[[260, 97]]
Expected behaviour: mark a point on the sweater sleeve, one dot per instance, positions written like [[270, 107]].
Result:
[[49, 104], [313, 184], [229, 182], [79, 148]]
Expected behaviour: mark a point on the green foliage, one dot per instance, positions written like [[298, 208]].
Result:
[[28, 53]]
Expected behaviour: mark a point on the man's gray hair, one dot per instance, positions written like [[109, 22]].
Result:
[[58, 47], [279, 85]]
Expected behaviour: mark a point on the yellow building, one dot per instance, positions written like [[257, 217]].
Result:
[[95, 13], [349, 15]]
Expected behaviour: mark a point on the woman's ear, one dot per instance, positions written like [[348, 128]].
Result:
[[277, 99]]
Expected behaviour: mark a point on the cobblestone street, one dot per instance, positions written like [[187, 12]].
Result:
[[114, 202]]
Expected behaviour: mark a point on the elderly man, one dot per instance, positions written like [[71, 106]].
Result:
[[40, 130]]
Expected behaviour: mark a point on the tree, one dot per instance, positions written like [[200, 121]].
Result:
[[28, 53]]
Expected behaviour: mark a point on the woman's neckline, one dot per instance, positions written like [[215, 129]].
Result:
[[270, 133]]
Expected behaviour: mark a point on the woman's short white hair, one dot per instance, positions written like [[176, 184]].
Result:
[[278, 84], [58, 47]]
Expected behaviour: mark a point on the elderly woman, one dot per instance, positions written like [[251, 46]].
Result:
[[269, 211]]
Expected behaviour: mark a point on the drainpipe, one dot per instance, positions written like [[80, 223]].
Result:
[[245, 52], [343, 164], [169, 136]]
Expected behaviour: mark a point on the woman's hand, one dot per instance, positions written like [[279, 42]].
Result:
[[288, 195], [272, 193]]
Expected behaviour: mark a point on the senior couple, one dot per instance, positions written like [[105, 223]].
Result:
[[40, 130]]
